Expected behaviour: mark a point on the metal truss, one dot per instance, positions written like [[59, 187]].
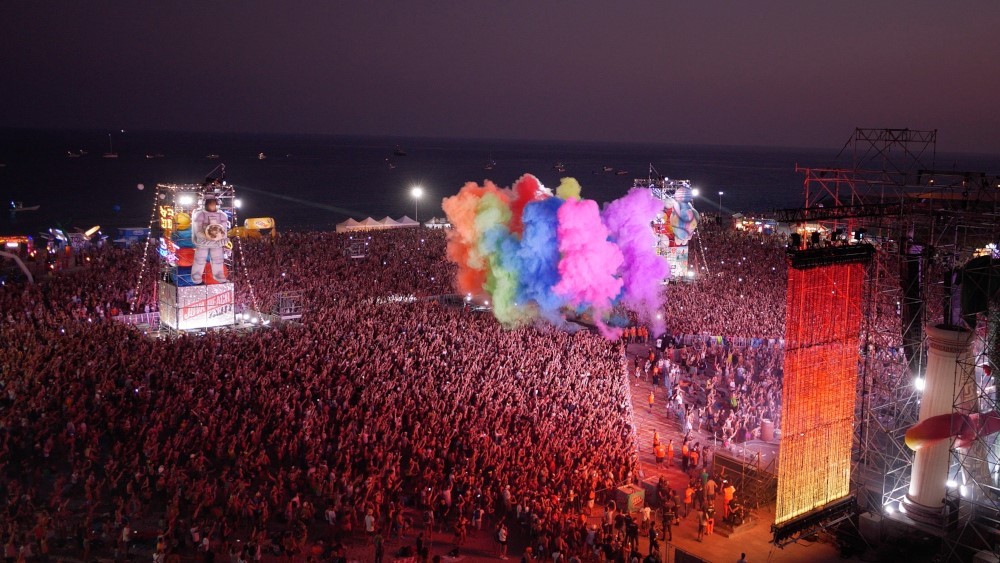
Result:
[[923, 222]]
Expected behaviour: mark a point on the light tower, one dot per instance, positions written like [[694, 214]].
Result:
[[416, 192]]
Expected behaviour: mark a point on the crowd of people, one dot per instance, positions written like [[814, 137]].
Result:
[[721, 389], [385, 413], [739, 287], [370, 411]]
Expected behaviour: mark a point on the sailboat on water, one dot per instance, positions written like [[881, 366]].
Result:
[[111, 149]]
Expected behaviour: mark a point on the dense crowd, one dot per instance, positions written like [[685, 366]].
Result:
[[739, 289], [381, 408], [303, 433]]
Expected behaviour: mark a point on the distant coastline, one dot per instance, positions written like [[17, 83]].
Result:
[[315, 181]]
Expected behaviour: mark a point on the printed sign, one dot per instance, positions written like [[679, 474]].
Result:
[[199, 306]]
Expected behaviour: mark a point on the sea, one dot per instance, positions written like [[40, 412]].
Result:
[[313, 182]]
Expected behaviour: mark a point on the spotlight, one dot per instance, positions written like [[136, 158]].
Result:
[[919, 384], [237, 203], [950, 483], [695, 192], [185, 199]]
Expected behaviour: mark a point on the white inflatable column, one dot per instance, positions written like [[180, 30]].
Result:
[[948, 352]]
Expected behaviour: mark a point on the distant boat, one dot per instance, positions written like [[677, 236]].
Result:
[[621, 173], [212, 156], [71, 154], [390, 164], [150, 156], [16, 206], [111, 149], [609, 168], [398, 151], [559, 167], [261, 156], [490, 165]]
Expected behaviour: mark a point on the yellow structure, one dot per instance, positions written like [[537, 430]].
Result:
[[256, 227]]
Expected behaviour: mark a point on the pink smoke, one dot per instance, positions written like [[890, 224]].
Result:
[[589, 261]]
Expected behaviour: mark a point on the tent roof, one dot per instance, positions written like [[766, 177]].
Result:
[[404, 220], [388, 221], [369, 222]]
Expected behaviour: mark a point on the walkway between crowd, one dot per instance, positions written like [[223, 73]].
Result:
[[754, 541]]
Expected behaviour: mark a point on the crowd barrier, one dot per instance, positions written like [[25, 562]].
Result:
[[689, 339], [152, 320]]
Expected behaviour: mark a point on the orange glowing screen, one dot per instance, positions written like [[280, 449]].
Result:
[[822, 335]]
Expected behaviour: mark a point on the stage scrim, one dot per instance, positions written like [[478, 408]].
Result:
[[822, 332]]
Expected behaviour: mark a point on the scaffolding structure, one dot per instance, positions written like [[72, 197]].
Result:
[[925, 225], [288, 305]]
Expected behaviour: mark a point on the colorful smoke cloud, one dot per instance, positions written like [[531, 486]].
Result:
[[538, 255]]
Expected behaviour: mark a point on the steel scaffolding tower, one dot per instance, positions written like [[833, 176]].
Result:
[[926, 225]]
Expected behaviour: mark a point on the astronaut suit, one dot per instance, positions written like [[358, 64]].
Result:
[[206, 247]]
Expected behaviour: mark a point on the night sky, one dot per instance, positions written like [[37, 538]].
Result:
[[727, 73]]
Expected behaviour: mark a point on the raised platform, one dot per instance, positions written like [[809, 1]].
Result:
[[196, 307], [727, 531]]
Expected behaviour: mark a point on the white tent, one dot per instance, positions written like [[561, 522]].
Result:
[[370, 224], [348, 225]]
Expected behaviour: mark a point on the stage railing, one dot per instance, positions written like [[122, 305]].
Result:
[[152, 320]]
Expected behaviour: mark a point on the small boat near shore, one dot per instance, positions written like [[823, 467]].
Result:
[[19, 206]]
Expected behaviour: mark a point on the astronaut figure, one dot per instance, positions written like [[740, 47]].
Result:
[[209, 231]]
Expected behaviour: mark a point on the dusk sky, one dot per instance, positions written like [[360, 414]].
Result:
[[727, 73]]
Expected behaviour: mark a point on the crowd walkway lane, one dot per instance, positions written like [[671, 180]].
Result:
[[755, 542]]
